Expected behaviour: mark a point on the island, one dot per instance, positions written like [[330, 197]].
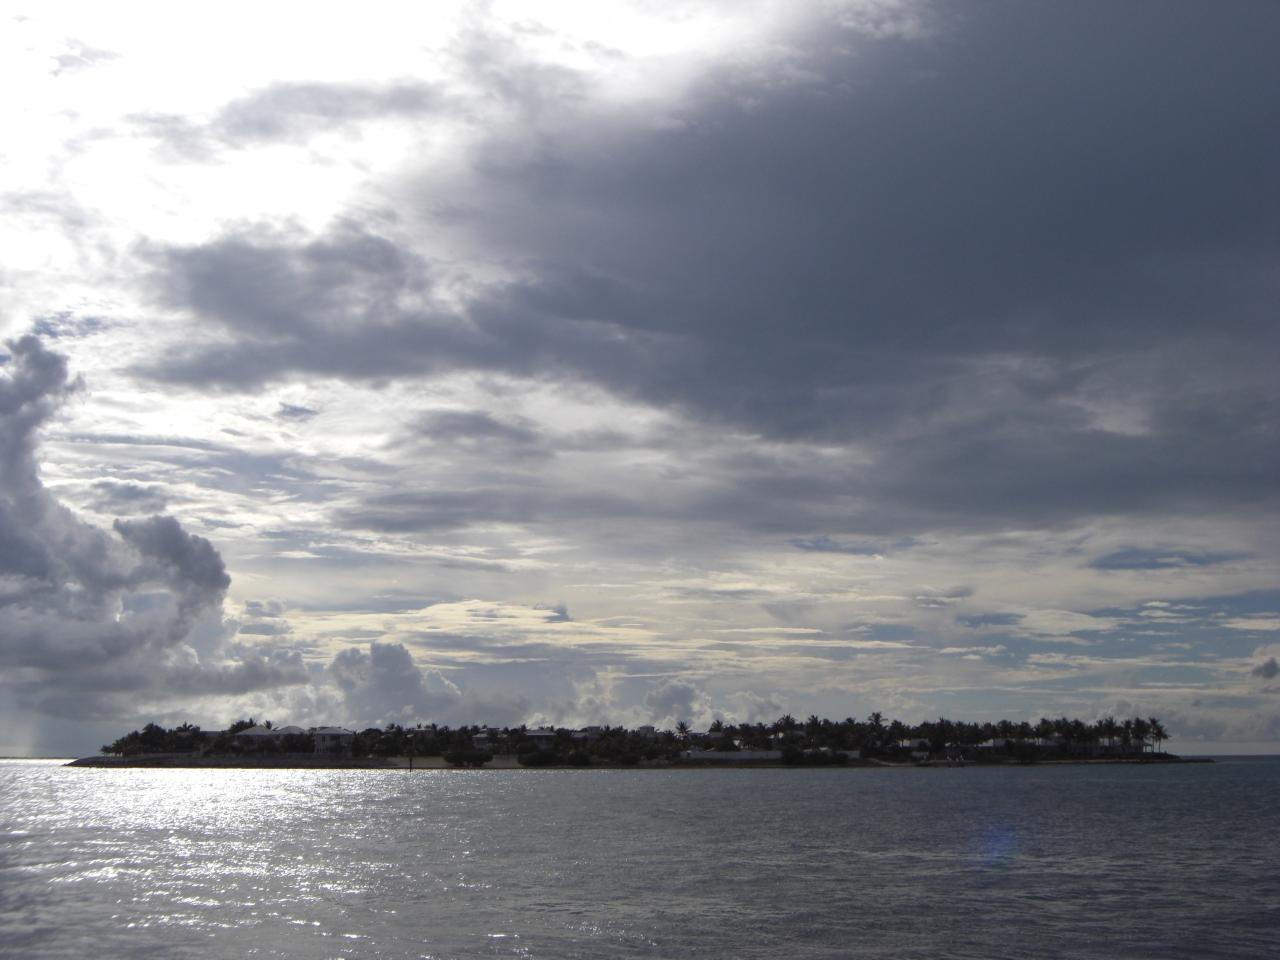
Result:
[[786, 742]]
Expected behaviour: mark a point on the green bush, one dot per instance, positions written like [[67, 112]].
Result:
[[468, 758]]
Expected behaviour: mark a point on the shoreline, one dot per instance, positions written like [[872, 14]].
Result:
[[503, 762]]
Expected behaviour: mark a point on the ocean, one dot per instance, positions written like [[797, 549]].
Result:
[[1158, 861]]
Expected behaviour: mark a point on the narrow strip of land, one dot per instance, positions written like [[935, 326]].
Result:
[[785, 742]]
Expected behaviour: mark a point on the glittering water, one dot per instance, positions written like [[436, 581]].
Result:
[[1169, 861]]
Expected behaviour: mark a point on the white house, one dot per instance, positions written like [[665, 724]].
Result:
[[333, 741]]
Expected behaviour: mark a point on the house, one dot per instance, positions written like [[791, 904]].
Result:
[[997, 745], [541, 738], [257, 738], [333, 741], [919, 747]]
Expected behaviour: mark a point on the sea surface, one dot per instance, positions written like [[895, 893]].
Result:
[[1042, 861]]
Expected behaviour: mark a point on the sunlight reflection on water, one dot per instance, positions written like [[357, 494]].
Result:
[[1117, 862]]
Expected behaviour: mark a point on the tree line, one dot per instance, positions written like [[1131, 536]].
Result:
[[814, 740]]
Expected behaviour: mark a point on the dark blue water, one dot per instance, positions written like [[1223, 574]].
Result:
[[1116, 861]]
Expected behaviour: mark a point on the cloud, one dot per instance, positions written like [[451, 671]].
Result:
[[990, 620], [294, 111], [1088, 341], [81, 57], [758, 709], [85, 615], [385, 685], [825, 544], [264, 608], [673, 700], [1267, 669], [1135, 558], [113, 496], [287, 112], [558, 613]]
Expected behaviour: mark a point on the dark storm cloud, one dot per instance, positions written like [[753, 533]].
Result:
[[85, 615], [1267, 670], [1027, 264]]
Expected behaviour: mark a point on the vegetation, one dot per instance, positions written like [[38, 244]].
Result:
[[814, 741]]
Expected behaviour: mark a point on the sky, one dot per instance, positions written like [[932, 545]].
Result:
[[636, 362]]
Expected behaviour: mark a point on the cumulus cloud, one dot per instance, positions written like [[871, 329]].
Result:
[[86, 615], [758, 709], [385, 685], [1268, 669], [673, 700]]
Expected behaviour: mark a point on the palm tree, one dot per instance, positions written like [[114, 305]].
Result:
[[896, 732], [1108, 727], [1141, 730], [877, 723], [1126, 735], [682, 730], [1045, 729], [1158, 732]]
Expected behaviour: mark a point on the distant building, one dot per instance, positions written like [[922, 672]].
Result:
[[541, 738], [333, 741], [327, 740], [256, 738]]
